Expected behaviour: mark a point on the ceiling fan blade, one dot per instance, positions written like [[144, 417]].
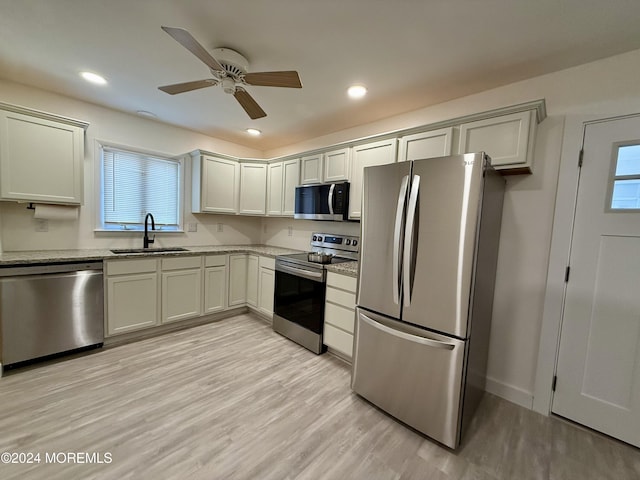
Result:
[[185, 39], [289, 79], [249, 104], [187, 86]]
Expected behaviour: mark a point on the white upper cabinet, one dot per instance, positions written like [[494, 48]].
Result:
[[311, 169], [215, 184], [253, 188], [41, 157], [507, 139], [274, 188], [282, 179], [434, 143], [367, 155], [329, 166], [336, 165], [290, 180]]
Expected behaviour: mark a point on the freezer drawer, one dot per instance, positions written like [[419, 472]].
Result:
[[412, 374]]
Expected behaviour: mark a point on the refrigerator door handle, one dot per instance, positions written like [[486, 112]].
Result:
[[331, 188], [408, 239], [397, 238], [407, 336]]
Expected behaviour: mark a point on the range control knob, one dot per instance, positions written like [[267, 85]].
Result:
[[319, 238], [354, 243], [314, 238], [348, 241]]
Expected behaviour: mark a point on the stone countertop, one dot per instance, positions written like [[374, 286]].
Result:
[[346, 268], [8, 259]]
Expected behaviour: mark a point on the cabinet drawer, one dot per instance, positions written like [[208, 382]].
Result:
[[266, 262], [338, 340], [340, 317], [215, 260], [341, 281], [180, 263], [122, 267], [346, 299]]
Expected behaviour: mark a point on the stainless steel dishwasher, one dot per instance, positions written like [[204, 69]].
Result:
[[50, 309]]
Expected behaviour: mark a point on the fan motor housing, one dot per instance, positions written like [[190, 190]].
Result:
[[233, 62]]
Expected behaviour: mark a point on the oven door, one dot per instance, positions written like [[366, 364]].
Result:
[[299, 297]]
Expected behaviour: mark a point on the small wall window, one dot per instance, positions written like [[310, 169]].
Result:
[[136, 183], [626, 179]]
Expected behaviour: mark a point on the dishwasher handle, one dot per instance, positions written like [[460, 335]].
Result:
[[44, 269]]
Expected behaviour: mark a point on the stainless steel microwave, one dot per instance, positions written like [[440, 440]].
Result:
[[328, 201]]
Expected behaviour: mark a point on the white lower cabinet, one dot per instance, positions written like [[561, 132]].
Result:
[[132, 295], [181, 288], [253, 267], [215, 283], [266, 285], [237, 279], [339, 313]]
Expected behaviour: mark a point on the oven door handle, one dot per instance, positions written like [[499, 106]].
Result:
[[299, 272]]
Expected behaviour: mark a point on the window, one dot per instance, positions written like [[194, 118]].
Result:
[[136, 183], [626, 180]]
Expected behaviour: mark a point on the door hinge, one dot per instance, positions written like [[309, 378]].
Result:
[[566, 274], [553, 384], [580, 157]]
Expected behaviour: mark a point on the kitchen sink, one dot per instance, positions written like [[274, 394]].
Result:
[[123, 251]]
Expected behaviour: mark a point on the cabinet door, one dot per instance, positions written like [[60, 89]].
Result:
[[237, 280], [253, 188], [274, 188], [291, 179], [215, 282], [252, 280], [40, 160], [435, 143], [267, 287], [367, 155], [507, 139], [311, 169], [181, 294], [220, 185], [336, 165], [132, 302]]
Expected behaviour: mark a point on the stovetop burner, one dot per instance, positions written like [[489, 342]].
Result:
[[343, 248]]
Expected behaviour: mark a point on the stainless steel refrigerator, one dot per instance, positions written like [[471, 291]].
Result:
[[428, 254]]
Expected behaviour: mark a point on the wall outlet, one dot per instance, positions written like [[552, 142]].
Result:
[[290, 231], [192, 227], [220, 227], [42, 225]]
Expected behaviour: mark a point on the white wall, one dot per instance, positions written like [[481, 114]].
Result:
[[18, 227], [607, 86], [275, 231]]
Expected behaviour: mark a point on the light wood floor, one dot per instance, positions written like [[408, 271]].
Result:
[[233, 400]]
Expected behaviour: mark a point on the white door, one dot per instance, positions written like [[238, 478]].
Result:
[[598, 371]]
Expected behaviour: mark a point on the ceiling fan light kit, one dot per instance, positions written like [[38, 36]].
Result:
[[229, 69]]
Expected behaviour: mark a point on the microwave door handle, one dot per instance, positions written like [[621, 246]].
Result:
[[331, 188], [408, 239], [397, 239]]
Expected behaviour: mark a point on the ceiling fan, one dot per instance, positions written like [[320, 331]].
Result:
[[230, 71]]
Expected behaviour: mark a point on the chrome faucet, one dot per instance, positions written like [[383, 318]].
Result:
[[147, 241]]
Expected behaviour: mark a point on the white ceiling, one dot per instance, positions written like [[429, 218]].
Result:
[[409, 53]]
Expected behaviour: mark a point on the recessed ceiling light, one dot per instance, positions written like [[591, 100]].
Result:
[[357, 91], [144, 113], [93, 78], [253, 131]]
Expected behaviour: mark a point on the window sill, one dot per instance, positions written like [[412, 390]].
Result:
[[136, 231]]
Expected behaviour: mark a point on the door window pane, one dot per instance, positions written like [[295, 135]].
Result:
[[626, 181]]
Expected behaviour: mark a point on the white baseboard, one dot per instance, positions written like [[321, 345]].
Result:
[[509, 392]]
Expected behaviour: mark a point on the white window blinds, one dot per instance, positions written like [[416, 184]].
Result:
[[135, 184]]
